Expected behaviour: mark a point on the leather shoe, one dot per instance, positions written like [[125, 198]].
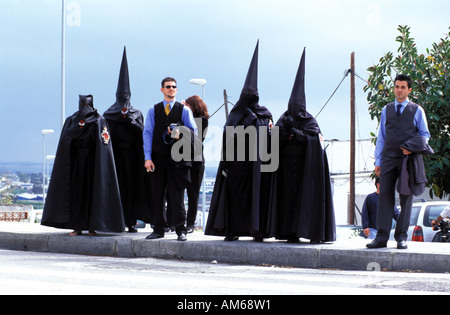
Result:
[[376, 244], [154, 236], [231, 238], [182, 237], [402, 245]]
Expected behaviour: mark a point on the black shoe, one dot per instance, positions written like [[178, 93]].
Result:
[[402, 245], [231, 237], [182, 237], [190, 228], [131, 229], [376, 244], [154, 236]]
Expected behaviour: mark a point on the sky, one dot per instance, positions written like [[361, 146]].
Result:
[[188, 39]]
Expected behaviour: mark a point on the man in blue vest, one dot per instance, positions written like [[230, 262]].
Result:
[[400, 121], [167, 178]]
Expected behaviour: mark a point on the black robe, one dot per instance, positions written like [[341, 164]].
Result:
[[239, 201], [83, 193], [304, 202], [127, 124]]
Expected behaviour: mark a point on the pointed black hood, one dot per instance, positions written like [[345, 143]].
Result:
[[297, 102], [251, 81], [123, 92], [121, 110], [249, 98], [297, 116]]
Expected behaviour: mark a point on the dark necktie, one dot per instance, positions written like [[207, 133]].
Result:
[[398, 109]]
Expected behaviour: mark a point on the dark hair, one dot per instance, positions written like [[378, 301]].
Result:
[[167, 79], [198, 107], [377, 181], [404, 77]]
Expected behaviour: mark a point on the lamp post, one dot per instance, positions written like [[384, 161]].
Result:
[[44, 133], [202, 83]]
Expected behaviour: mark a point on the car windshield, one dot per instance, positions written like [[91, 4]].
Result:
[[431, 213]]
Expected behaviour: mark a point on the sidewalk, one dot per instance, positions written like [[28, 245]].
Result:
[[345, 254]]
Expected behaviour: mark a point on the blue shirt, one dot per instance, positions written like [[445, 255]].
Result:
[[187, 118], [420, 121]]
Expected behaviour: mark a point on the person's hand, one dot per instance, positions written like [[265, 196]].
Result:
[[434, 223], [174, 134], [405, 152], [366, 232], [377, 170], [149, 166]]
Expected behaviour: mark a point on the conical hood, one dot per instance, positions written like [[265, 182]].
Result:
[[297, 102], [123, 92], [249, 98], [251, 82], [249, 95], [297, 116]]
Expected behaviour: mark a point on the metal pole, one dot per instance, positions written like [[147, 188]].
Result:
[[351, 207], [63, 61], [225, 99], [43, 170]]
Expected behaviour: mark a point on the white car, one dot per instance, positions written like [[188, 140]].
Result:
[[420, 229]]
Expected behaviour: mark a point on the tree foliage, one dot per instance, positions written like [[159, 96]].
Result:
[[431, 89]]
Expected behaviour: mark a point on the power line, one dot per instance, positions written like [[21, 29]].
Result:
[[219, 109], [345, 75]]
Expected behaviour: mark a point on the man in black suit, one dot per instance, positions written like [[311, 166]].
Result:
[[168, 177]]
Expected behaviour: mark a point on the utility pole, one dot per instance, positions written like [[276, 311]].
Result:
[[351, 203], [63, 64], [225, 98]]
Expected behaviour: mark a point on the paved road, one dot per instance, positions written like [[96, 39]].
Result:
[[46, 273]]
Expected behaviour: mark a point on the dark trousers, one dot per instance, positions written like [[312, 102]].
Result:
[[390, 172], [163, 184], [193, 191]]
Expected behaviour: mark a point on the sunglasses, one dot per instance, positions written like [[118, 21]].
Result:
[[170, 86]]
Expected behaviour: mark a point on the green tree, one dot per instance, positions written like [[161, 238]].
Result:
[[431, 89]]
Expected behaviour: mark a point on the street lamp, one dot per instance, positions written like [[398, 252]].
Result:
[[202, 83], [44, 133]]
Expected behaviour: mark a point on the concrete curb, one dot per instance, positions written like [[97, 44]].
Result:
[[343, 254]]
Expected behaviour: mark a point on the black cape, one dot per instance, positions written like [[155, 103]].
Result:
[[303, 195], [83, 193], [238, 204], [126, 126], [303, 192]]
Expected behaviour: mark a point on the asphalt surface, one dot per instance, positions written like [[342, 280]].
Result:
[[345, 253]]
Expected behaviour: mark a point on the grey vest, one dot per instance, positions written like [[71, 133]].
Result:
[[399, 129]]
